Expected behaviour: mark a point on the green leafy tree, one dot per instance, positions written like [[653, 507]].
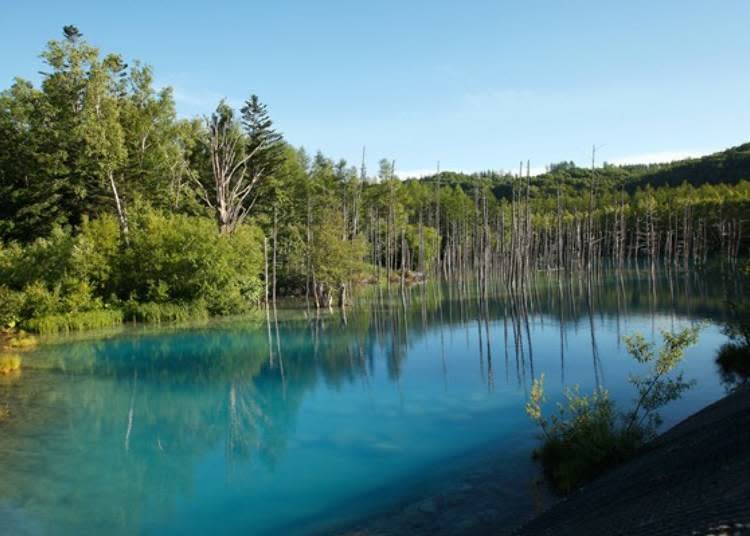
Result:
[[104, 151], [586, 435], [656, 388]]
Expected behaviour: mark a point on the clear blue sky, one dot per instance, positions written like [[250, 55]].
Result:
[[474, 84]]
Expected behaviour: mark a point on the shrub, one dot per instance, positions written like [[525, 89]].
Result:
[[95, 255], [38, 301], [47, 259], [182, 259], [582, 440], [587, 435], [177, 267], [11, 305], [656, 389]]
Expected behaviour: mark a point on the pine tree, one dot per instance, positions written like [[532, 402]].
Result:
[[263, 141]]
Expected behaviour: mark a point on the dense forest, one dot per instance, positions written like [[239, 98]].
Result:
[[113, 208]]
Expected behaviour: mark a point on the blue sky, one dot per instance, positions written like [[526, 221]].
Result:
[[474, 84]]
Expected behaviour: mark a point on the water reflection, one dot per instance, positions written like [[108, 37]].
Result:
[[733, 358], [273, 421]]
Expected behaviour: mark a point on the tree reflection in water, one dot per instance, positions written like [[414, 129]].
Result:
[[153, 405]]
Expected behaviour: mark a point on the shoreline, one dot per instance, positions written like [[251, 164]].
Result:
[[479, 496], [692, 479]]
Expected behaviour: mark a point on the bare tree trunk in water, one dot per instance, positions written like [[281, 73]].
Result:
[[342, 295], [590, 222], [268, 314], [438, 263]]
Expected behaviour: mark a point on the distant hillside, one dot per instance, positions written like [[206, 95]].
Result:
[[729, 167]]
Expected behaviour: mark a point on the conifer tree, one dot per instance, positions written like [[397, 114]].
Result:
[[263, 141]]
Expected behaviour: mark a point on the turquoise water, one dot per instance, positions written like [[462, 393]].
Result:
[[190, 431]]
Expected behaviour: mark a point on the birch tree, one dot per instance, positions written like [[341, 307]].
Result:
[[102, 132]]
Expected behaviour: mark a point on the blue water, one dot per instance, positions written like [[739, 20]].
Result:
[[203, 429]]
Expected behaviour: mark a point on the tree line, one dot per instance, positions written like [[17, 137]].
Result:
[[112, 207]]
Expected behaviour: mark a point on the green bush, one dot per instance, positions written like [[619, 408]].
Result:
[[175, 268], [95, 256], [11, 306], [583, 439], [48, 259], [587, 435], [183, 259], [39, 301]]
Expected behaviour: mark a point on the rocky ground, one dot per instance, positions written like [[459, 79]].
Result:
[[694, 480]]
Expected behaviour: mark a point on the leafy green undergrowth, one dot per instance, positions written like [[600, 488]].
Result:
[[588, 435], [149, 313], [77, 321], [172, 268], [157, 313]]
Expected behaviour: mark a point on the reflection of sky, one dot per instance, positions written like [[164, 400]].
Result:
[[335, 430]]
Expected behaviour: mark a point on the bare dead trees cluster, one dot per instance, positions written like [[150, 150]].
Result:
[[510, 239]]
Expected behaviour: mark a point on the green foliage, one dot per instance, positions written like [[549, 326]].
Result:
[[156, 313], [95, 256], [427, 243], [656, 389], [262, 139], [95, 150], [582, 439], [336, 260], [176, 267], [11, 305], [587, 436], [93, 122], [47, 258], [74, 321], [39, 301], [176, 258]]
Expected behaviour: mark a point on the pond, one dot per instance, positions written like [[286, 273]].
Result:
[[318, 420]]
